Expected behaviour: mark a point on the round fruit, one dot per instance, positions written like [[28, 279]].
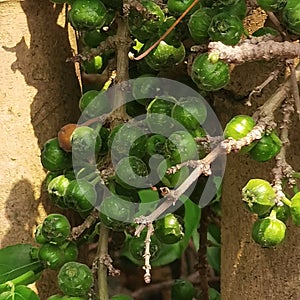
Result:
[[272, 5], [239, 9], [115, 212], [172, 180], [159, 115], [199, 23], [131, 172], [127, 140], [144, 88], [56, 228], [64, 137], [179, 6], [282, 212], [71, 252], [93, 38], [182, 289], [52, 256], [295, 209], [75, 279], [291, 16], [180, 147], [190, 112], [259, 196], [86, 143], [56, 190], [164, 55], [94, 104], [54, 158], [268, 232], [265, 30], [137, 247], [168, 229], [38, 235], [266, 148], [80, 195], [238, 127], [156, 144], [144, 26], [87, 14], [208, 75], [226, 29]]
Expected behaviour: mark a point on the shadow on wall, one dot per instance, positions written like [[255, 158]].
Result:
[[43, 65]]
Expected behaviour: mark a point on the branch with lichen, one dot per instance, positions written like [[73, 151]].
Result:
[[282, 168], [251, 50], [265, 120], [147, 254]]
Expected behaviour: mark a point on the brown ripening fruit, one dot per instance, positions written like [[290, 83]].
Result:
[[64, 136]]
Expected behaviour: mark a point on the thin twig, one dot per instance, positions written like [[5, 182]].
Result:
[[141, 56], [294, 86], [257, 90], [147, 255], [88, 222]]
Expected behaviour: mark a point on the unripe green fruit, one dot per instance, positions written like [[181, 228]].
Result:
[[75, 279]]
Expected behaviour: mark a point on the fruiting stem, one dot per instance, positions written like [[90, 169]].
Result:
[[102, 252], [166, 33]]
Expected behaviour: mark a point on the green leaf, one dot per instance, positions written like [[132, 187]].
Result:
[[214, 257], [214, 234], [214, 294], [149, 200], [20, 292], [16, 260]]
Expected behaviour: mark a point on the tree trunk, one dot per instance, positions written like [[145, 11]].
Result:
[[248, 271], [39, 93]]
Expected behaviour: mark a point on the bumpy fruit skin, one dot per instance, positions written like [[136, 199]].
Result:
[[268, 232], [180, 147], [191, 112], [52, 256], [125, 140], [70, 252], [164, 55], [266, 148], [226, 29], [168, 229], [182, 289], [155, 144], [75, 279], [115, 212], [198, 24], [179, 6], [54, 158], [239, 8], [272, 5], [258, 196], [208, 75], [238, 127], [131, 172], [80, 195], [56, 190], [295, 209], [39, 237], [291, 16], [159, 115], [87, 14], [137, 247], [145, 28], [86, 143], [172, 180], [56, 228]]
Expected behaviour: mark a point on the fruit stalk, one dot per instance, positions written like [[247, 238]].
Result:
[[248, 51]]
